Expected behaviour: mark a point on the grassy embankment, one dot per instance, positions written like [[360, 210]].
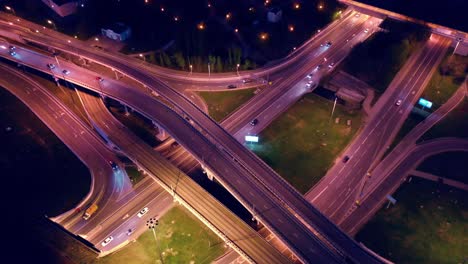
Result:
[[429, 224]]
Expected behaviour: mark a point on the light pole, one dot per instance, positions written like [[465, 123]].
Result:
[[50, 22], [141, 55], [456, 46], [9, 8], [209, 71], [151, 224], [238, 65], [333, 109], [191, 68]]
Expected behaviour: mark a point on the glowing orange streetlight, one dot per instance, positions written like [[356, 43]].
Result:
[[228, 16], [320, 7], [236, 30], [291, 28], [297, 6], [201, 26], [263, 36]]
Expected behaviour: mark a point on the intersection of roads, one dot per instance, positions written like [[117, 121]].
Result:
[[311, 226]]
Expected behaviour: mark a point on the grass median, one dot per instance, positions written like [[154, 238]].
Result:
[[427, 225], [449, 76], [181, 238], [221, 104], [302, 143]]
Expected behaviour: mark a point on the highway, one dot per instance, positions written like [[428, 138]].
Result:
[[242, 162], [202, 81], [399, 155], [396, 177], [271, 102], [183, 187], [39, 99], [338, 191], [108, 185]]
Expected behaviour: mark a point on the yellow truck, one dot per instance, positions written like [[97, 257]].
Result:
[[90, 211]]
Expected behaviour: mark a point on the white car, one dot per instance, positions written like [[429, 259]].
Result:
[[143, 212], [107, 241], [366, 30], [331, 65], [66, 72], [309, 76], [398, 103]]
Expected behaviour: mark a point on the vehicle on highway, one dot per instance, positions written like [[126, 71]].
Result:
[[254, 122], [130, 231], [99, 79], [366, 30], [107, 241], [327, 44], [331, 65], [12, 48], [90, 211], [66, 72], [143, 212], [398, 102], [231, 86], [247, 80], [310, 84], [174, 144], [309, 76], [318, 67], [357, 15], [113, 165], [51, 66], [345, 159], [12, 53]]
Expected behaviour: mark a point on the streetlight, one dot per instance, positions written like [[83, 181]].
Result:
[[9, 8], [191, 67], [238, 65], [209, 71], [151, 224], [141, 55], [333, 109], [52, 23]]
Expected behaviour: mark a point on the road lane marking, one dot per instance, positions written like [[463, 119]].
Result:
[[326, 187]]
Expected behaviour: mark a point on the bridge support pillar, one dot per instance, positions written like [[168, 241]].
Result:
[[208, 173], [162, 134]]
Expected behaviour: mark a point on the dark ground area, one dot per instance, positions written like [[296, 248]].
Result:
[[41, 176], [450, 165], [428, 225], [377, 60], [448, 13]]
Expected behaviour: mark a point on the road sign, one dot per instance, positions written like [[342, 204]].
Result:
[[391, 199], [251, 138], [425, 103]]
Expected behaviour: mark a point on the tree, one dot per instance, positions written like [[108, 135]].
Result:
[[219, 64], [167, 60], [180, 61]]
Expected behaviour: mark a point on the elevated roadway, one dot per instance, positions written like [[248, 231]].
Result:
[[242, 162]]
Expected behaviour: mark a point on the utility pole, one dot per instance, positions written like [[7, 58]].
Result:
[[151, 224], [333, 109]]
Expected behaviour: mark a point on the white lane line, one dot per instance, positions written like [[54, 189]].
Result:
[[319, 194]]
